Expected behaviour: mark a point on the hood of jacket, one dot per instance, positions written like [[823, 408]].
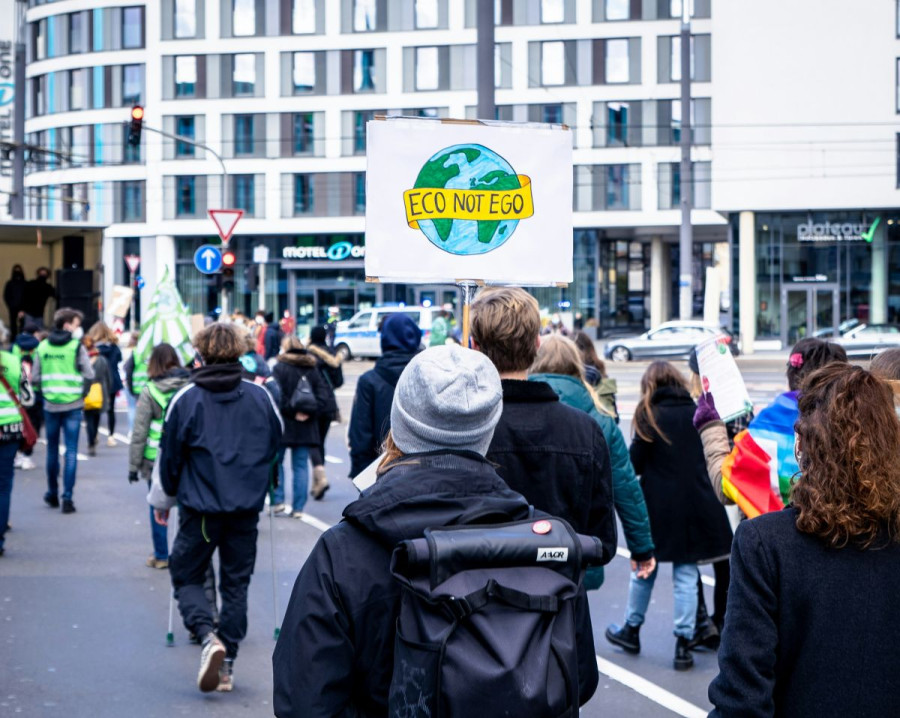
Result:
[[59, 337], [671, 395], [324, 355], [172, 380], [26, 342], [107, 350], [297, 358], [570, 390], [434, 489], [218, 377], [400, 333], [391, 365]]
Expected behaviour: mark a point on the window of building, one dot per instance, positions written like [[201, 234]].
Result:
[[243, 194], [185, 76], [616, 62], [185, 126], [669, 183], [133, 201], [303, 194], [553, 11], [617, 124], [364, 15], [617, 10], [617, 187], [185, 18], [359, 129], [243, 18], [553, 63], [552, 114], [132, 84], [77, 33], [898, 159], [363, 70], [79, 89], [669, 58], [303, 17], [427, 76], [426, 14], [244, 74], [359, 194], [243, 135], [304, 72], [185, 196], [303, 133], [132, 27], [898, 84]]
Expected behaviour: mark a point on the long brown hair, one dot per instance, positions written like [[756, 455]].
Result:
[[658, 375], [392, 456], [849, 442], [559, 355], [589, 352], [100, 332], [162, 359]]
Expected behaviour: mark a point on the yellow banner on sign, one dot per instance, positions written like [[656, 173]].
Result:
[[477, 204]]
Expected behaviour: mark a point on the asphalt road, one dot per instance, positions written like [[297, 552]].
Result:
[[83, 622]]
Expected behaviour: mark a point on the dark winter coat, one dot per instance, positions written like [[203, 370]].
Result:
[[810, 631], [272, 341], [219, 443], [686, 519], [329, 367], [557, 458], [113, 356], [287, 372], [627, 494], [14, 298], [335, 653], [103, 376], [37, 292]]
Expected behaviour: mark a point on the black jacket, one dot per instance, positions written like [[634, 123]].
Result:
[[810, 631], [557, 458], [287, 372], [37, 293], [329, 366], [370, 419], [335, 653], [113, 356], [272, 341], [219, 442], [686, 519]]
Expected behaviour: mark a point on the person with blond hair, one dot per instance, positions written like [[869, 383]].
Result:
[[811, 627], [559, 364], [107, 345]]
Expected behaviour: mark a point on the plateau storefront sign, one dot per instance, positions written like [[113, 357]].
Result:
[[337, 252], [837, 231], [811, 278]]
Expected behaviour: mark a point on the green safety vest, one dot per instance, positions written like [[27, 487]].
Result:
[[139, 377], [151, 448], [61, 382], [12, 372]]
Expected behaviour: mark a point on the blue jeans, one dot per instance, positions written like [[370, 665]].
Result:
[[70, 424], [160, 537], [300, 468], [7, 457], [684, 577]]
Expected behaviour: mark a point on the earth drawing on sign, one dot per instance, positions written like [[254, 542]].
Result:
[[468, 200]]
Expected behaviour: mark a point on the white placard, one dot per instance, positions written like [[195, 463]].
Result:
[[447, 202], [720, 376]]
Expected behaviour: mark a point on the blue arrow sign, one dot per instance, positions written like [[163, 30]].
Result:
[[208, 259]]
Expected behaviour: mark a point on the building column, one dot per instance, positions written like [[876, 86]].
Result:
[[157, 253], [878, 292], [110, 260], [747, 280], [659, 282]]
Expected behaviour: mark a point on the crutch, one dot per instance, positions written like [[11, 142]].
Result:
[[170, 633], [272, 480]]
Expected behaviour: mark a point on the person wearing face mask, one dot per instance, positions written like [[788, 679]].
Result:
[[61, 367], [14, 296], [37, 292]]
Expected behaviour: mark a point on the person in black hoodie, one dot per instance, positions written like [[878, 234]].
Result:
[[219, 445], [329, 366], [301, 429], [14, 296], [271, 337], [370, 418], [335, 654]]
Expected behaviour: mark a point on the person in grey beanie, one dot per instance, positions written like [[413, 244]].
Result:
[[335, 652]]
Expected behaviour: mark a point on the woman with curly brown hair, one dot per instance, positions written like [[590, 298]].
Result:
[[811, 627]]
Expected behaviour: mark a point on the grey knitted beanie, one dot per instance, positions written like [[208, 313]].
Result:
[[447, 398]]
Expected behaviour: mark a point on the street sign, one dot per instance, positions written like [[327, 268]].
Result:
[[140, 282], [260, 254], [225, 220], [133, 261], [208, 259]]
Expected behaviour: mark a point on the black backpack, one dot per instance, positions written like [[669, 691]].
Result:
[[303, 400], [487, 623]]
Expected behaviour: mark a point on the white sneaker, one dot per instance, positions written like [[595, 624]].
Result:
[[211, 659], [17, 462], [27, 464], [110, 441]]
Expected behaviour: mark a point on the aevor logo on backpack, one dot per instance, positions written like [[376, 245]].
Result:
[[553, 553]]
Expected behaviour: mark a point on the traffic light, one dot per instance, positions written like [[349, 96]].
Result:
[[228, 260], [137, 123]]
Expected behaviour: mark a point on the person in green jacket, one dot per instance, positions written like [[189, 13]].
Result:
[[558, 363]]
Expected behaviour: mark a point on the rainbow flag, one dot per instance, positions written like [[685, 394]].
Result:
[[757, 473]]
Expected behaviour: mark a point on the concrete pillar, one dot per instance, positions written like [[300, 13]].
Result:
[[157, 253], [659, 282], [878, 292], [747, 280], [108, 259]]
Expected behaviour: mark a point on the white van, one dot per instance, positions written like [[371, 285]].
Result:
[[359, 336]]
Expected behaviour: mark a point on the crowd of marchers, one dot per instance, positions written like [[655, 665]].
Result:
[[428, 598]]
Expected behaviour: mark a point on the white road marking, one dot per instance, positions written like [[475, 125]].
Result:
[[117, 436], [333, 460], [625, 553]]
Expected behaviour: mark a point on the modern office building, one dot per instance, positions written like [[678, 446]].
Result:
[[282, 90]]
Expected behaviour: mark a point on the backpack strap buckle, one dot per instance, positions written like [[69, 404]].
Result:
[[459, 608]]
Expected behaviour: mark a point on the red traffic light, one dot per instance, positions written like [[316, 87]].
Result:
[[228, 259], [137, 112]]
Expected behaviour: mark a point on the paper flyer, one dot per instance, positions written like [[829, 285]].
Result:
[[720, 376]]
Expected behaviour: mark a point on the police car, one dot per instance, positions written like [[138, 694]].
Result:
[[360, 335]]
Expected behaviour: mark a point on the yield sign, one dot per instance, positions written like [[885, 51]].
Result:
[[225, 220], [133, 261]]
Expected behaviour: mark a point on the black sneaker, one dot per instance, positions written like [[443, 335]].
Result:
[[68, 507], [683, 659], [51, 501], [628, 638], [211, 659]]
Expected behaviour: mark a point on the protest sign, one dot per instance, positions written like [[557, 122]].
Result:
[[451, 201], [720, 376]]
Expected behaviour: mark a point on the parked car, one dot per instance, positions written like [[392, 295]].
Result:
[[360, 336], [671, 340], [867, 340], [844, 327]]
